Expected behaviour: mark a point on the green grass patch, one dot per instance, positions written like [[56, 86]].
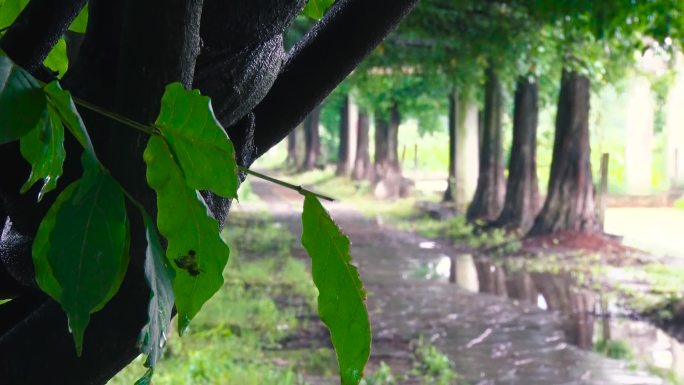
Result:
[[265, 294], [616, 349]]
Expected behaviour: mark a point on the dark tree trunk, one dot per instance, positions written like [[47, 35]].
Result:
[[312, 140], [451, 191], [344, 149], [522, 189], [489, 193], [389, 182], [569, 204], [131, 50], [292, 159], [362, 163]]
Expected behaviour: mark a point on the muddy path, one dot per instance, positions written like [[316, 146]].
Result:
[[490, 339]]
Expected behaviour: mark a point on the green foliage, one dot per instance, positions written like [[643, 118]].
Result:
[[315, 9], [679, 203], [159, 275], [199, 144], [198, 253], [382, 376], [57, 58], [80, 283], [433, 366], [80, 22], [616, 349], [341, 297], [22, 102], [9, 10], [43, 148], [63, 103]]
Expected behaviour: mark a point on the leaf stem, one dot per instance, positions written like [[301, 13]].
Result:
[[150, 130], [279, 182]]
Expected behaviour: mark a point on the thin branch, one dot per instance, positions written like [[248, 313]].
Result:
[[150, 130], [279, 182]]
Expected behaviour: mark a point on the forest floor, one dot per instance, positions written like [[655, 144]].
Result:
[[486, 337]]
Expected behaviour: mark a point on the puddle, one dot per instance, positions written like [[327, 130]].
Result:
[[588, 319]]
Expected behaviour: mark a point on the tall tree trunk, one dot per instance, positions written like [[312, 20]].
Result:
[[312, 140], [489, 193], [345, 145], [362, 163], [569, 204], [454, 108], [292, 159], [388, 178], [522, 190]]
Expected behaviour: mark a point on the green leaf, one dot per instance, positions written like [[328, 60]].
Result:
[[63, 103], [80, 22], [43, 148], [159, 275], [198, 142], [22, 102], [57, 59], [146, 379], [341, 298], [81, 248], [4, 301], [9, 10], [195, 248], [315, 9]]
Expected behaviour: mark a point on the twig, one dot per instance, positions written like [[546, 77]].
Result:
[[299, 189]]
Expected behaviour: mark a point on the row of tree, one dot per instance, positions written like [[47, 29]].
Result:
[[449, 54]]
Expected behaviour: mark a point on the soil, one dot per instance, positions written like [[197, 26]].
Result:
[[489, 339]]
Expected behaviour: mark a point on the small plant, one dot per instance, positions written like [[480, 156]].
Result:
[[382, 376], [616, 349], [433, 366]]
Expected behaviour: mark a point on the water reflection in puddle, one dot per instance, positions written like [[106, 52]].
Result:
[[582, 308]]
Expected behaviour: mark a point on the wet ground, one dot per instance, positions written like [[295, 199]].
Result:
[[491, 339]]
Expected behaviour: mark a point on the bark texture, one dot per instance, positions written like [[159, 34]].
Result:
[[489, 194], [454, 108], [344, 147], [569, 205], [522, 189], [362, 164], [389, 182], [292, 158], [312, 140]]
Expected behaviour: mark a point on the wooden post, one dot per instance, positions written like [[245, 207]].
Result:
[[415, 157], [603, 189]]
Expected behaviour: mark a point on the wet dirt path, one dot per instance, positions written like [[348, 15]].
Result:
[[491, 340]]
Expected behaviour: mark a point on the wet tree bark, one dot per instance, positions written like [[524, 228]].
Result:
[[388, 177], [362, 163], [344, 149], [454, 108], [312, 140], [292, 159], [489, 193], [522, 190], [569, 204]]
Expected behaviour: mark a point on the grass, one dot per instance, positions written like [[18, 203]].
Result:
[[429, 367], [616, 349], [266, 293]]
